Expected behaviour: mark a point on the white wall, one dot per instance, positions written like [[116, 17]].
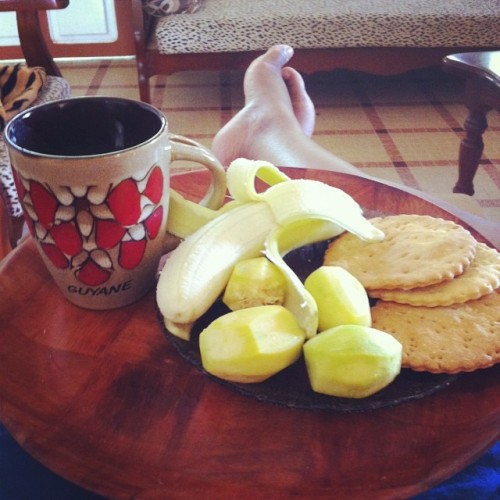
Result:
[[83, 21]]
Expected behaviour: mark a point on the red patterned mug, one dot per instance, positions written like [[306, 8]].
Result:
[[92, 174]]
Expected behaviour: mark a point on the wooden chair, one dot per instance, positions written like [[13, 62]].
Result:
[[481, 71], [36, 53]]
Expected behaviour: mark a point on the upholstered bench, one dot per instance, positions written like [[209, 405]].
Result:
[[376, 36]]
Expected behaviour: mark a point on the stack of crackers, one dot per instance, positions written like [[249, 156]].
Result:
[[436, 289]]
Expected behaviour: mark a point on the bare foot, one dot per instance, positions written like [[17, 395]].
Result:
[[275, 100], [302, 105]]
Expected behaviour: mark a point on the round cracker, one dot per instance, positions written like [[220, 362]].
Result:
[[480, 278], [418, 250], [444, 339]]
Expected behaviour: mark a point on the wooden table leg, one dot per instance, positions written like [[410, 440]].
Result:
[[471, 149], [481, 71]]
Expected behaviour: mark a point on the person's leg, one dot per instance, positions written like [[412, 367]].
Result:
[[276, 123], [277, 120]]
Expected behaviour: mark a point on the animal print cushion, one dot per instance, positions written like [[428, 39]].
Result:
[[232, 26], [159, 8], [19, 88], [54, 88]]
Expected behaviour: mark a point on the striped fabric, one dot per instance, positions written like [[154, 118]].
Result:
[[19, 87]]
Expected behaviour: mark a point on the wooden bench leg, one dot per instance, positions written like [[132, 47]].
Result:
[[144, 88], [471, 149]]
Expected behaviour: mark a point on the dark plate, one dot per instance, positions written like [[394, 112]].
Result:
[[290, 387]]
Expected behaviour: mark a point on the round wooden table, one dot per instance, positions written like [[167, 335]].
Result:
[[103, 399]]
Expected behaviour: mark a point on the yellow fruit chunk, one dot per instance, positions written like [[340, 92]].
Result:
[[254, 282], [340, 297], [250, 345], [352, 361]]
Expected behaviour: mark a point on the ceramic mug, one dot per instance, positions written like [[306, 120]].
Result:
[[92, 174]]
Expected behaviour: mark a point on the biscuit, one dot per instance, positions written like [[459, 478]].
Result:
[[480, 278], [418, 250], [444, 339]]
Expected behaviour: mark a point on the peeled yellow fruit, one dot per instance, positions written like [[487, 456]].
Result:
[[352, 361], [250, 345], [254, 282], [340, 297]]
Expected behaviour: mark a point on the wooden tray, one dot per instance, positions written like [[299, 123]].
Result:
[[103, 399]]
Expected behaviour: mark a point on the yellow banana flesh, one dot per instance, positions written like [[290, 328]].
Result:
[[284, 239], [197, 271], [241, 176], [185, 216], [329, 212], [288, 214]]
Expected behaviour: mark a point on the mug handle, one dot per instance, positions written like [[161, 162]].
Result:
[[187, 149]]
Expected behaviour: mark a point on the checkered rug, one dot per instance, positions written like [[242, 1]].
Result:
[[404, 129]]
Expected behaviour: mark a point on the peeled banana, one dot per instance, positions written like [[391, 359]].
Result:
[[197, 271], [287, 215]]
